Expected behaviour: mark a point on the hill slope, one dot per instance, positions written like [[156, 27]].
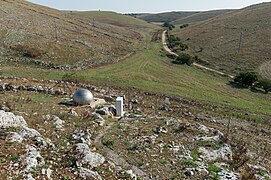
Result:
[[30, 32], [202, 16], [116, 19], [165, 17], [217, 40]]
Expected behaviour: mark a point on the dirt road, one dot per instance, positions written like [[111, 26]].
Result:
[[164, 37]]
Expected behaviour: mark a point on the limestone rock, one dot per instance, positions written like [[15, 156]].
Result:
[[32, 159], [224, 153], [86, 157], [14, 137], [89, 174], [8, 119]]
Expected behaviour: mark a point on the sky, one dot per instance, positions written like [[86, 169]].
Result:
[[129, 6]]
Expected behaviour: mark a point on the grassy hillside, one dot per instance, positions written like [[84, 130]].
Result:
[[216, 41], [201, 16], [30, 32], [165, 17], [116, 19], [151, 71]]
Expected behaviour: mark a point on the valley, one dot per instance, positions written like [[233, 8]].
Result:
[[180, 121]]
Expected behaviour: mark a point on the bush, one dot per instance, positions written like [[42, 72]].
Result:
[[175, 42], [184, 26], [168, 25], [247, 78], [184, 59], [265, 84]]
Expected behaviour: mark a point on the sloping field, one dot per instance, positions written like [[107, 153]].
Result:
[[265, 70], [201, 16], [165, 17], [32, 32], [217, 41], [116, 19], [150, 70]]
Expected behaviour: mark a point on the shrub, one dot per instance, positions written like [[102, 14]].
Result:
[[247, 78], [265, 84], [184, 59], [184, 26], [175, 42], [168, 25]]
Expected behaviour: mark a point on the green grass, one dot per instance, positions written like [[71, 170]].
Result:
[[150, 70]]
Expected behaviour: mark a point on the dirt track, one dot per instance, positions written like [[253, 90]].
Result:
[[195, 64]]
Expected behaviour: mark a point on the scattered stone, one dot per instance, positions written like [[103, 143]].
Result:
[[86, 157], [59, 123], [224, 153], [81, 137], [32, 159], [8, 119], [99, 119], [204, 129], [223, 174], [164, 107], [109, 99], [208, 139], [14, 137], [103, 111], [73, 113], [135, 101], [132, 175], [188, 172], [47, 172], [4, 108], [160, 130], [89, 174]]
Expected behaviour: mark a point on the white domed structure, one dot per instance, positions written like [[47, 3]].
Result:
[[83, 97]]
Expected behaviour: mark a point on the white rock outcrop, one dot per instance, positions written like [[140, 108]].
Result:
[[86, 157], [8, 119], [89, 174]]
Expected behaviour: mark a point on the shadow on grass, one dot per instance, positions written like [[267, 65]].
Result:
[[241, 86], [177, 62], [237, 85]]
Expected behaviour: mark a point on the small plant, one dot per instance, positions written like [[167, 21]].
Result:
[[109, 143], [262, 172], [163, 161], [134, 147], [189, 163], [13, 156], [2, 160], [140, 164], [214, 170], [195, 154]]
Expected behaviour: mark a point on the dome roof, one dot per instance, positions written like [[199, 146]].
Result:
[[83, 97]]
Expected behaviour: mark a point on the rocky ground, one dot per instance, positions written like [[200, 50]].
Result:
[[43, 136]]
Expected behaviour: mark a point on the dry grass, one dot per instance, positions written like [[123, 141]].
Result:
[[201, 16], [64, 38], [216, 41]]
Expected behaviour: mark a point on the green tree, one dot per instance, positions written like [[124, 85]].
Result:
[[246, 78], [184, 59], [168, 25]]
